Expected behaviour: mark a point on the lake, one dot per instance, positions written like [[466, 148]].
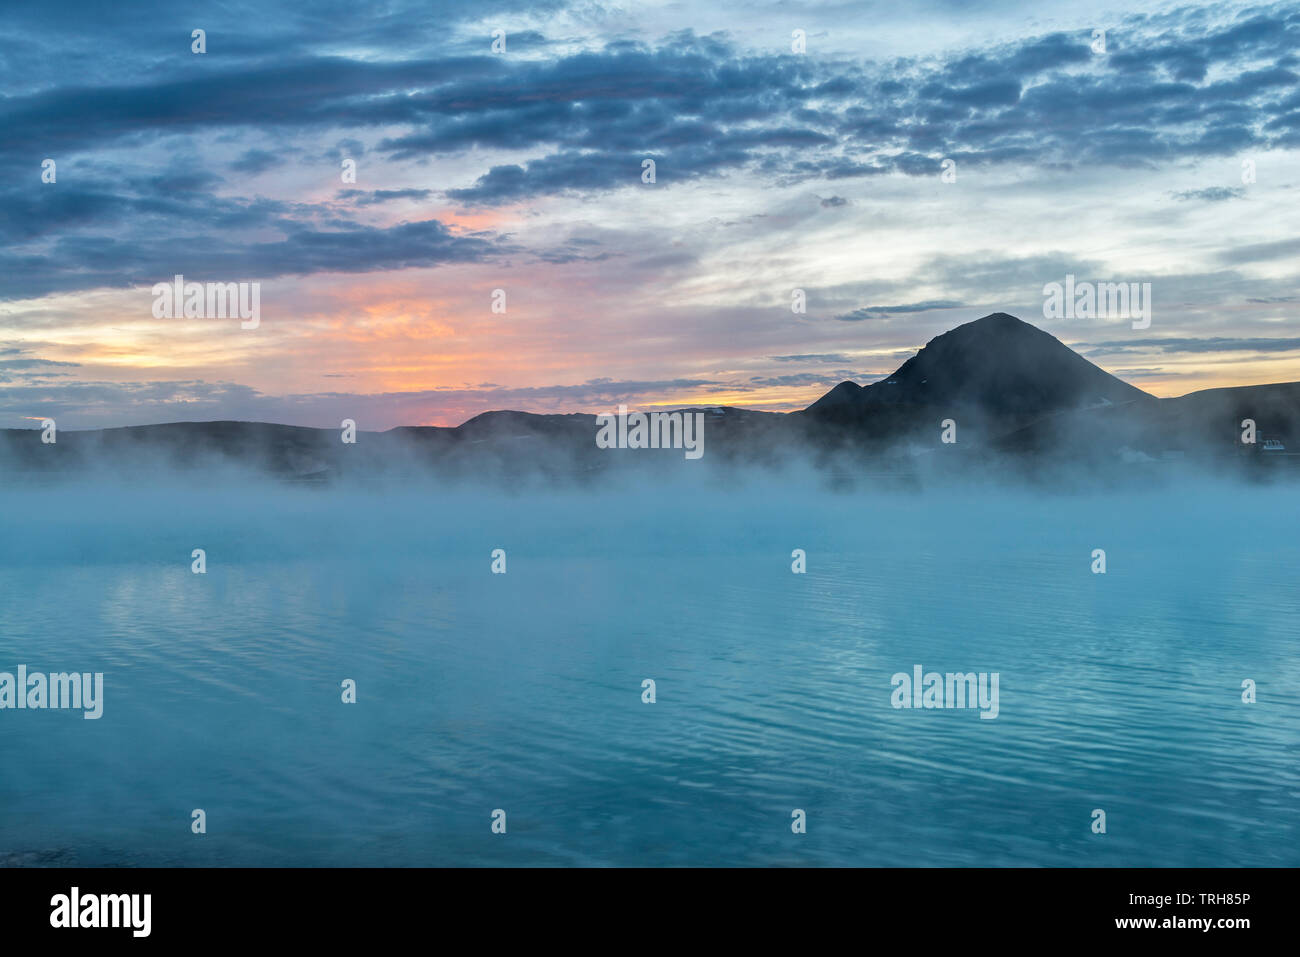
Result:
[[523, 691]]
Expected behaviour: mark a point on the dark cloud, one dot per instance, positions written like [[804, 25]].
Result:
[[1179, 86], [1050, 94], [372, 197], [255, 161], [1212, 194], [1260, 252], [826, 379], [885, 312], [1186, 345], [78, 262], [30, 370]]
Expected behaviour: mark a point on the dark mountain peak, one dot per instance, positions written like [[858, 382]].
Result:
[[995, 330], [844, 394], [998, 365], [994, 320], [505, 423]]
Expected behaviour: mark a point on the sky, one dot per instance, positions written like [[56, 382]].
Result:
[[908, 167]]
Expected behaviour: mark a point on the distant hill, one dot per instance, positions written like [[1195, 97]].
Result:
[[996, 373], [1206, 424], [1016, 394]]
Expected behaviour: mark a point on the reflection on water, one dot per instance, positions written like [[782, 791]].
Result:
[[523, 691]]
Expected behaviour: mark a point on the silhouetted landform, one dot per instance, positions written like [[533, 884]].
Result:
[[1021, 402], [990, 376]]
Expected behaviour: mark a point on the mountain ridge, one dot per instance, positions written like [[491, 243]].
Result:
[[997, 361], [1012, 390]]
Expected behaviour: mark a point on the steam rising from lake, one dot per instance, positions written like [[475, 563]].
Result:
[[522, 691]]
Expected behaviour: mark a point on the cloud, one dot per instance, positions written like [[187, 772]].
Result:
[[1212, 194], [772, 170], [1260, 252], [372, 197], [81, 262], [886, 312], [256, 161], [1191, 345], [29, 369], [707, 106], [91, 404]]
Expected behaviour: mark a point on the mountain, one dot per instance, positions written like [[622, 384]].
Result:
[[500, 444], [998, 372], [1018, 396], [1204, 425], [1016, 391]]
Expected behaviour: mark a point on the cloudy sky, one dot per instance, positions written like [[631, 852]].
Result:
[[522, 171]]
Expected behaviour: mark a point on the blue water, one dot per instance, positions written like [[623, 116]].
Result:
[[522, 691]]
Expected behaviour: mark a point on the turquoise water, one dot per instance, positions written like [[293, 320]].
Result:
[[523, 691]]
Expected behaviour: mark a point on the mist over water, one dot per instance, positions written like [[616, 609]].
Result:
[[522, 691]]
